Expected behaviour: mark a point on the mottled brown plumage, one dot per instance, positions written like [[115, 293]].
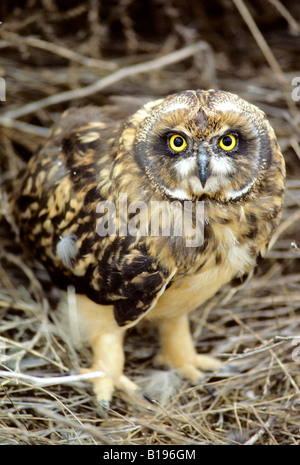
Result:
[[195, 146]]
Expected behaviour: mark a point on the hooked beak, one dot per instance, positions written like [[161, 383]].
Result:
[[203, 160]]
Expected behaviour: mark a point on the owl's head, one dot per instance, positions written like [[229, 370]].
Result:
[[197, 144]]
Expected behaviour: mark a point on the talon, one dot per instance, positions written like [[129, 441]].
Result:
[[228, 370], [232, 368], [148, 398], [104, 408], [210, 391], [104, 404]]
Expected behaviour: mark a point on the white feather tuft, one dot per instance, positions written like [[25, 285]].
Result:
[[67, 250]]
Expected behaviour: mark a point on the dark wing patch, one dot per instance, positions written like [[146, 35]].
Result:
[[140, 290], [133, 282], [130, 280]]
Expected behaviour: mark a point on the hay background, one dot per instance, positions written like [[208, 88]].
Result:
[[253, 328]]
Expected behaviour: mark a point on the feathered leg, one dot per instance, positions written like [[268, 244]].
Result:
[[106, 340], [177, 349]]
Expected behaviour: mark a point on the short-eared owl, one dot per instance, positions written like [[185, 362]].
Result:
[[102, 206]]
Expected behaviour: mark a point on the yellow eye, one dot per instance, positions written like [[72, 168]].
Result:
[[228, 142], [177, 143]]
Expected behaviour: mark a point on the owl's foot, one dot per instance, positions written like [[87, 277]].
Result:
[[191, 367], [105, 386], [106, 340], [178, 350]]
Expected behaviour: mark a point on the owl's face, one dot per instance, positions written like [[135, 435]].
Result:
[[203, 143]]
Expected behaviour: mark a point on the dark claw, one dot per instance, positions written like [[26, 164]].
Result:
[[148, 398], [209, 390], [233, 369], [104, 408]]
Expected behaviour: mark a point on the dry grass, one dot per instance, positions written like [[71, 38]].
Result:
[[53, 60]]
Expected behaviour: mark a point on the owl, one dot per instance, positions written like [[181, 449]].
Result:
[[147, 212]]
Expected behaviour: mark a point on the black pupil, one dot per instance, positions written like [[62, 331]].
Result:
[[227, 141], [178, 141]]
